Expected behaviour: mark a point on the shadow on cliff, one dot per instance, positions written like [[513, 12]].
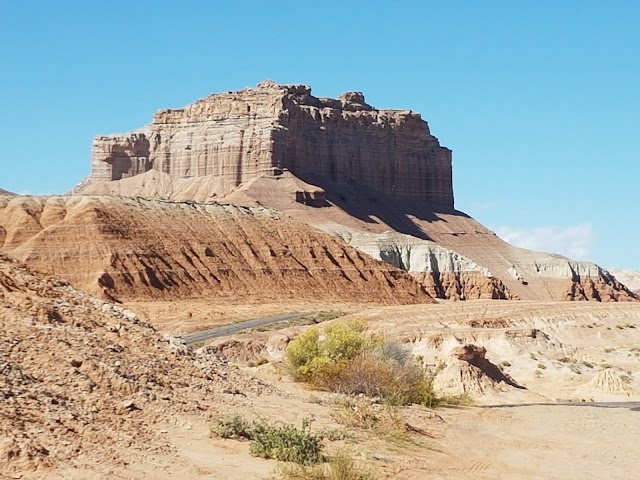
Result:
[[372, 206]]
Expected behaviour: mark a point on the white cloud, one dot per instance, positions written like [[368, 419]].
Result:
[[574, 241]]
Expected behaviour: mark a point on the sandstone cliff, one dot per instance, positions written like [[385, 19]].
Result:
[[234, 137], [130, 249], [338, 161]]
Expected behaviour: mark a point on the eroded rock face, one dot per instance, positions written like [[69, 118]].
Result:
[[469, 371], [574, 280], [238, 136], [628, 277], [134, 249], [445, 273]]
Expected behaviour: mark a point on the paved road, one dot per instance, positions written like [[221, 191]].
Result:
[[633, 406], [225, 330]]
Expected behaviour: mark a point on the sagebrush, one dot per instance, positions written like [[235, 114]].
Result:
[[340, 466], [283, 442], [347, 360], [287, 443], [232, 426]]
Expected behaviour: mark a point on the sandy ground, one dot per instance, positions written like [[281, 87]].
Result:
[[543, 442], [520, 442], [509, 434]]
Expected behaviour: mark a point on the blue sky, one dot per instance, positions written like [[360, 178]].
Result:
[[539, 101]]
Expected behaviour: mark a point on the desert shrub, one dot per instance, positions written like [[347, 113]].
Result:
[[387, 422], [309, 356], [369, 374], [302, 352], [231, 426], [347, 361], [287, 443], [357, 412], [258, 362], [341, 466]]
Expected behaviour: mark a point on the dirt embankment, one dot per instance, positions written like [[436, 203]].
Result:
[[83, 379]]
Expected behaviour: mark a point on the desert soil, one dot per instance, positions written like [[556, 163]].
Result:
[[518, 442], [89, 390]]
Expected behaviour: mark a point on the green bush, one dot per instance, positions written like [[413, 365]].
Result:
[[287, 443], [347, 361], [308, 356]]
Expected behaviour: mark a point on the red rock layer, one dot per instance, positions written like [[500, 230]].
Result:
[[133, 249]]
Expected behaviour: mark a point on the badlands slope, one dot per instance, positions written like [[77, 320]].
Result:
[[471, 261], [449, 253], [89, 391], [134, 249], [628, 277], [86, 385]]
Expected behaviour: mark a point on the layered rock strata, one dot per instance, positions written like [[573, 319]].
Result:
[[338, 161], [234, 137], [133, 249], [525, 274], [444, 273]]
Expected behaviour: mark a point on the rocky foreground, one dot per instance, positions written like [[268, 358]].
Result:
[[89, 390], [83, 379]]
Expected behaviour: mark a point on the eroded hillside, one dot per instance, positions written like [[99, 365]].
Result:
[[135, 249], [476, 263], [82, 379], [341, 165]]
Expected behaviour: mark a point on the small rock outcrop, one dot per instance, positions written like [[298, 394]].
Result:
[[469, 372], [608, 385], [235, 137]]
